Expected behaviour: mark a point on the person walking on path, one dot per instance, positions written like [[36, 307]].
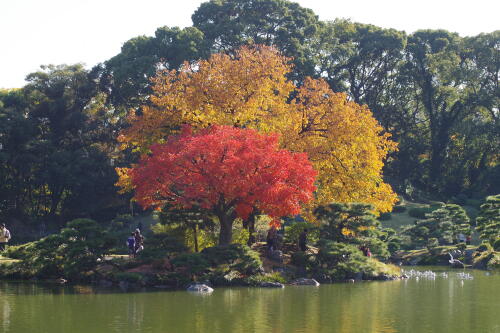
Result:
[[139, 241], [4, 236], [131, 245]]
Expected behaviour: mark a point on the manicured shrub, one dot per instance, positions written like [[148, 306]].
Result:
[[338, 261], [128, 277], [191, 263], [235, 256]]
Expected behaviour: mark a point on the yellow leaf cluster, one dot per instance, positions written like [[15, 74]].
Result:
[[124, 180], [250, 89]]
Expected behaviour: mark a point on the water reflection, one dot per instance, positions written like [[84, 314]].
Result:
[[427, 305]]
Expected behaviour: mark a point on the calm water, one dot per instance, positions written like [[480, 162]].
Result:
[[441, 305]]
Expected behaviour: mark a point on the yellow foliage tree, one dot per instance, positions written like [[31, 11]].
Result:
[[250, 89]]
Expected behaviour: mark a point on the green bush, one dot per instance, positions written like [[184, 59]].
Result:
[[300, 259], [339, 261], [72, 253], [129, 277], [258, 279], [191, 263], [235, 257]]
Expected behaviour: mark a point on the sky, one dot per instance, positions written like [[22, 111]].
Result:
[[38, 32]]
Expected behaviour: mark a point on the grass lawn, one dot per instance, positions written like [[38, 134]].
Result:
[[401, 219]]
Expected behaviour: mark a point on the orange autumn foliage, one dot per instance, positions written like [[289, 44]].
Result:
[[250, 89]]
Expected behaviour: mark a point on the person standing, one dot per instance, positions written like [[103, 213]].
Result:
[[271, 240], [4, 236], [131, 245], [139, 241]]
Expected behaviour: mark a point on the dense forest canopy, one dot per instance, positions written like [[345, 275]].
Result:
[[436, 92]]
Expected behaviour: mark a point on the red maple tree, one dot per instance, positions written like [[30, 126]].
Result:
[[226, 171]]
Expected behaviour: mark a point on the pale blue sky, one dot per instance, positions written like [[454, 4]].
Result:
[[36, 32]]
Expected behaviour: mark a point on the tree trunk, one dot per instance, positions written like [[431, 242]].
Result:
[[226, 229], [195, 236], [251, 229]]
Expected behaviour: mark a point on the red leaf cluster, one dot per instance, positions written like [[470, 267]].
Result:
[[223, 167]]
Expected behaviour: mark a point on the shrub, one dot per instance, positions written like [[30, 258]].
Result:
[[339, 261], [129, 277], [235, 257], [258, 279], [300, 259], [72, 253], [191, 263]]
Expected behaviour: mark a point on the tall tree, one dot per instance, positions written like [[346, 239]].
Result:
[[125, 78], [226, 171], [56, 146], [251, 89], [229, 24]]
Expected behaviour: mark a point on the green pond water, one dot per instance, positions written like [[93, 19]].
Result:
[[423, 305]]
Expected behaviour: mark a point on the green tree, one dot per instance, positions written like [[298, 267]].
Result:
[[125, 78], [228, 24], [353, 223], [443, 224], [488, 220]]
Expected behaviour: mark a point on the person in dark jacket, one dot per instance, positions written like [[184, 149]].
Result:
[[131, 245]]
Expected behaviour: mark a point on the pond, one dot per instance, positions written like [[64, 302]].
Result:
[[442, 304]]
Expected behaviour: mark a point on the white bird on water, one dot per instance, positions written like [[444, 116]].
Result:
[[454, 261]]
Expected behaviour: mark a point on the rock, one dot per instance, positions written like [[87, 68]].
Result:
[[386, 277], [199, 288], [404, 276], [272, 285], [305, 282]]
